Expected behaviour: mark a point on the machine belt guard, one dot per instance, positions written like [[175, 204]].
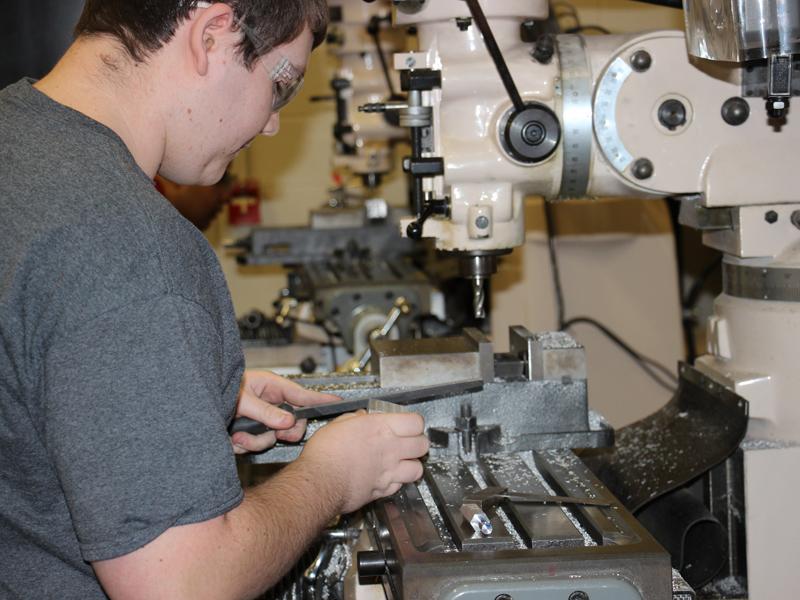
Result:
[[698, 429]]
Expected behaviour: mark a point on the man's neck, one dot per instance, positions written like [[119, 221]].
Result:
[[98, 80]]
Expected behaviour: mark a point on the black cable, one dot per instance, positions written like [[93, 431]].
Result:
[[374, 30], [693, 296], [644, 362], [555, 271], [647, 364], [582, 28]]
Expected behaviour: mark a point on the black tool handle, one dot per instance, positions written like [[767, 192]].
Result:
[[254, 427]]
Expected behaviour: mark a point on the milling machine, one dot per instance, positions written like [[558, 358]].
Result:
[[634, 115], [494, 119]]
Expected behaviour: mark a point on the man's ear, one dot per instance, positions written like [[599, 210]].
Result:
[[208, 28]]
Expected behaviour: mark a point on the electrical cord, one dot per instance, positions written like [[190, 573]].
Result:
[[647, 364], [562, 9], [584, 28]]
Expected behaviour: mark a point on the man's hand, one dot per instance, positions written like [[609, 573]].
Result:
[[365, 457], [259, 397]]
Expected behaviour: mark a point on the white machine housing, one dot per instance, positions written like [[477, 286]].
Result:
[[608, 92]]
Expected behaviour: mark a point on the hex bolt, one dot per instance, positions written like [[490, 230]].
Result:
[[579, 596], [771, 217], [672, 114], [643, 169], [795, 218], [641, 61], [735, 111], [482, 222]]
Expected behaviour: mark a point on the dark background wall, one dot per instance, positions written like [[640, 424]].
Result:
[[33, 36]]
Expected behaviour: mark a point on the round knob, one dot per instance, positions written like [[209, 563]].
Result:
[[414, 230], [735, 111], [531, 135]]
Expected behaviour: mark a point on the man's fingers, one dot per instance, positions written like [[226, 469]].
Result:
[[406, 424], [300, 396], [264, 412], [244, 442], [408, 471], [413, 447], [391, 490], [295, 434], [276, 390]]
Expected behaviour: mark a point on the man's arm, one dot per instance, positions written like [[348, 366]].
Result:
[[346, 464]]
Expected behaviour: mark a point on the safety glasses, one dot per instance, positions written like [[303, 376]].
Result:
[[285, 77]]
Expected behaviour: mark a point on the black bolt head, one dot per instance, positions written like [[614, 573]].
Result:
[[641, 61], [771, 217], [579, 596], [735, 111], [464, 23], [643, 169], [544, 49], [504, 597], [672, 114], [795, 218]]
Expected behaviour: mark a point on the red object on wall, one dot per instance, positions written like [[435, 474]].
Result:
[[245, 205]]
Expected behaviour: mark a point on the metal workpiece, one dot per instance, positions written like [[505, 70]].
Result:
[[429, 361], [527, 551]]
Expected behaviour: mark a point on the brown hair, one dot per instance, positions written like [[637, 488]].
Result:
[[143, 27]]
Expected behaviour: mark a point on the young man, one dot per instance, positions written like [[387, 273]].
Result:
[[120, 363]]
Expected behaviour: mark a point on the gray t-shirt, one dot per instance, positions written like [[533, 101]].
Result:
[[120, 360]]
